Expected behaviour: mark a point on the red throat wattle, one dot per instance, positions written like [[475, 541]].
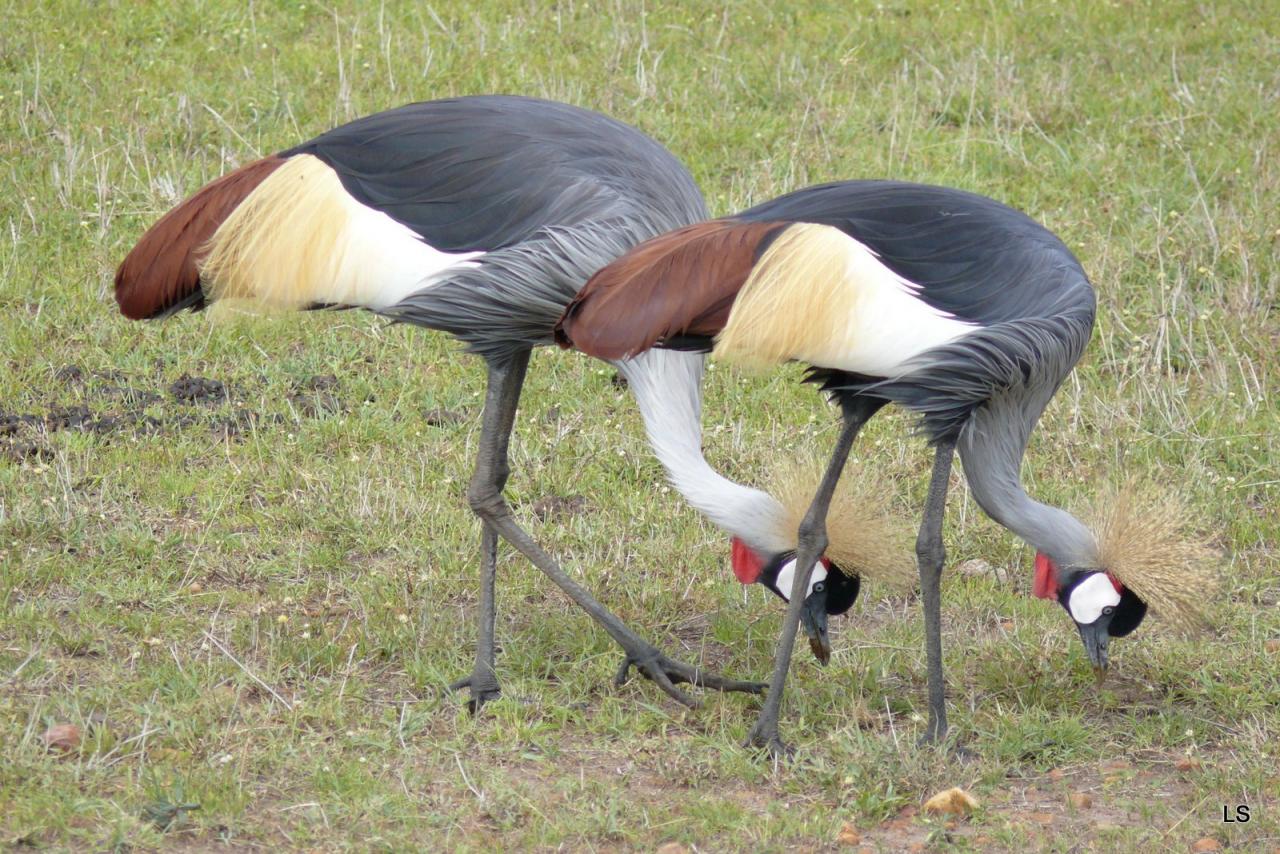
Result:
[[1046, 582], [747, 565]]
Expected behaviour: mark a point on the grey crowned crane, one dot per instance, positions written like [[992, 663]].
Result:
[[480, 216], [951, 304]]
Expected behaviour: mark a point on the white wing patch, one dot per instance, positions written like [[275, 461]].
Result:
[[787, 577], [1087, 601], [384, 261]]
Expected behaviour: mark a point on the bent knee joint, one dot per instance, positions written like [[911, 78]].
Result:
[[485, 499], [813, 535], [930, 552]]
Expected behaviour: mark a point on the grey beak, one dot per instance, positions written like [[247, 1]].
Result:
[[1095, 638], [814, 618]]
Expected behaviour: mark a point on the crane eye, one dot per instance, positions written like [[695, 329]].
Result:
[[1108, 611], [819, 587]]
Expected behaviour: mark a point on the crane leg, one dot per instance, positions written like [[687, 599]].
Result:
[[492, 469], [931, 555], [812, 543], [483, 680], [485, 495]]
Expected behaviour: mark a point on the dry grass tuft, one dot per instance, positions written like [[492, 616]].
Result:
[[1147, 542], [865, 534]]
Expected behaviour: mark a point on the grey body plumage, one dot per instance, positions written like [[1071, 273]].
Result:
[[511, 299]]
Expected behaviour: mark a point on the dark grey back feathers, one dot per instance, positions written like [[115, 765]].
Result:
[[549, 191]]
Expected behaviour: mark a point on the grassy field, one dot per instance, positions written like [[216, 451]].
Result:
[[249, 595]]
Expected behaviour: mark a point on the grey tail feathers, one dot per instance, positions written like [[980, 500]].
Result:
[[946, 384], [510, 299]]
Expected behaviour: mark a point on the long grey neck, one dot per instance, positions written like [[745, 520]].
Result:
[[667, 385], [991, 448]]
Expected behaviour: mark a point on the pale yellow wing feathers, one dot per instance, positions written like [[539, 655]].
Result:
[[283, 245], [798, 293]]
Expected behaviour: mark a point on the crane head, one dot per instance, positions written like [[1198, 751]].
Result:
[[1101, 606], [831, 591]]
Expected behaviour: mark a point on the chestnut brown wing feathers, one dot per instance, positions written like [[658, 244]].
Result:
[[679, 284]]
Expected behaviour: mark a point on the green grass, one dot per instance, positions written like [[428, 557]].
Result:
[[324, 541]]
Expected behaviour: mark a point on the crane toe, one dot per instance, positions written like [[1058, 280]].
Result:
[[667, 673], [484, 687]]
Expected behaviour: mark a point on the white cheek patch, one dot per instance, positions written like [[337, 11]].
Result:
[[1090, 596], [787, 576]]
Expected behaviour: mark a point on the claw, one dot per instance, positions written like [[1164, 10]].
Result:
[[769, 743], [667, 673], [482, 691]]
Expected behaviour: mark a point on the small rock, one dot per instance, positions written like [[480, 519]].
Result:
[[1080, 800], [558, 506], [63, 738], [955, 801], [1057, 774], [1187, 763], [975, 568], [848, 835], [195, 587], [1045, 818], [1206, 843], [443, 417], [1272, 646]]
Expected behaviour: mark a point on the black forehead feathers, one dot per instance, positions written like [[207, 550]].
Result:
[[842, 590], [1128, 614]]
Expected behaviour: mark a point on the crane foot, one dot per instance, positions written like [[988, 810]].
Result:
[[667, 673], [484, 687], [767, 740]]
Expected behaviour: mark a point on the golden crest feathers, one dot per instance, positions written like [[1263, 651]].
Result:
[[1147, 543], [864, 535]]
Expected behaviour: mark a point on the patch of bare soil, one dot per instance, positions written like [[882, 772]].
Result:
[[189, 389], [111, 403], [559, 507]]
